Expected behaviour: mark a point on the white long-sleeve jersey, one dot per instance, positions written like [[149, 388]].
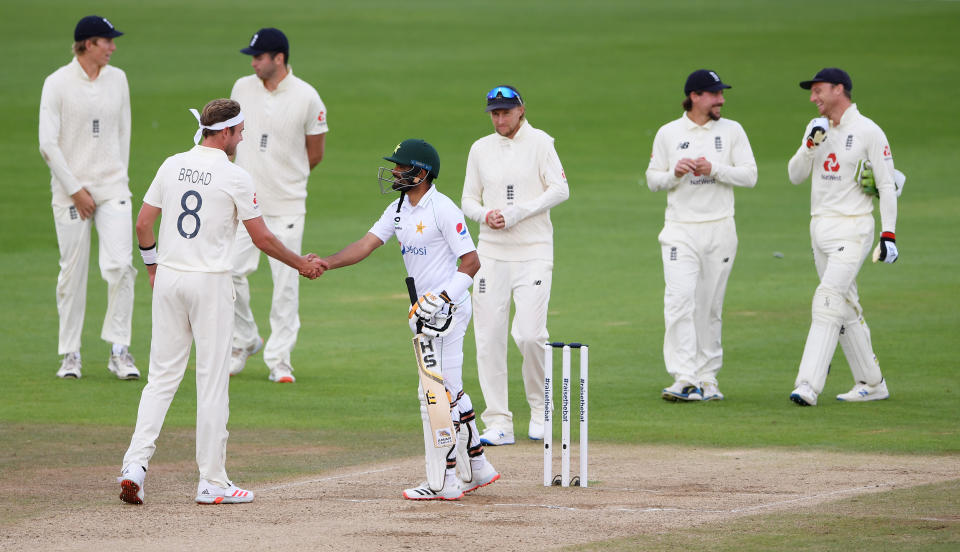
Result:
[[85, 132], [834, 190], [701, 198], [523, 178]]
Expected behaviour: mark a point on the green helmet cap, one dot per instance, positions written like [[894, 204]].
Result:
[[417, 153]]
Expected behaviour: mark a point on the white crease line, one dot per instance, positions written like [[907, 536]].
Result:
[[323, 479], [811, 497]]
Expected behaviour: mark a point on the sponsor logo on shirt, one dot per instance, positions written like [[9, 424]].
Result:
[[410, 250], [461, 229], [321, 116], [254, 198], [831, 164], [886, 152]]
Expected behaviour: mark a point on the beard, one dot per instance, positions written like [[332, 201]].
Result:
[[714, 114]]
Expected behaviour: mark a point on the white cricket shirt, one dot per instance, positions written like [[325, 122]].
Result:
[[85, 133], [202, 196], [701, 198], [834, 190], [274, 149], [523, 178], [433, 236]]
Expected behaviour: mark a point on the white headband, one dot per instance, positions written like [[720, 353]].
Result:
[[215, 126]]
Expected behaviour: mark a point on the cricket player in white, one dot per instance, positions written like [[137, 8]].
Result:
[[698, 159], [286, 129], [513, 178], [841, 231], [202, 195], [85, 139], [433, 237]]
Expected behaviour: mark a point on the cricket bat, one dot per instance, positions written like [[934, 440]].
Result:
[[431, 382]]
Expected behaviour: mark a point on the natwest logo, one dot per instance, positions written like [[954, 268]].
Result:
[[831, 163]]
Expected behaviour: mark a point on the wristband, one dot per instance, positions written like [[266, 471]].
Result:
[[149, 254], [888, 235], [458, 285]]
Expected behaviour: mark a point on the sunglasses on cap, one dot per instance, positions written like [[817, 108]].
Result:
[[504, 92]]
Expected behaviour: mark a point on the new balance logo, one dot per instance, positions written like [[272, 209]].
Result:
[[537, 282], [683, 145]]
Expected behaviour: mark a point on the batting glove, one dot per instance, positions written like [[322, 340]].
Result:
[[818, 132], [429, 305], [441, 324], [886, 250]]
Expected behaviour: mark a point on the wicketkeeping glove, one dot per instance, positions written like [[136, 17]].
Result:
[[886, 250], [864, 177], [818, 132]]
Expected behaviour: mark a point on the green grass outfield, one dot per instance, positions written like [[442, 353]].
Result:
[[600, 77]]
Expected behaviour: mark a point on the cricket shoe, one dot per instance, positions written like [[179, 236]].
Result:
[[131, 483], [208, 493], [482, 476], [804, 395], [239, 356], [862, 392], [535, 430], [711, 392], [682, 391], [282, 373], [451, 491], [493, 437], [70, 367], [122, 366]]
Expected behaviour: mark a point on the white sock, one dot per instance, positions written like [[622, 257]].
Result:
[[118, 349]]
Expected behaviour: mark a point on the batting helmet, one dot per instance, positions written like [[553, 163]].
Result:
[[417, 153]]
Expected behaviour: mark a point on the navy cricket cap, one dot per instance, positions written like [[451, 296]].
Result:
[[503, 97], [832, 75], [267, 39], [703, 80], [94, 25]]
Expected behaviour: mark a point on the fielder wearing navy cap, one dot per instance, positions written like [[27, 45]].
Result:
[[832, 75], [703, 80], [503, 97], [94, 25], [268, 39]]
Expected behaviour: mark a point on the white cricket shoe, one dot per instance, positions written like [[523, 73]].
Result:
[[682, 391], [70, 367], [123, 367], [282, 373], [131, 483], [451, 491], [239, 356], [711, 392], [493, 437], [208, 493], [535, 429], [804, 395], [483, 475], [862, 392]]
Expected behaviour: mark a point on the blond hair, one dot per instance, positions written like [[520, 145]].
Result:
[[217, 111]]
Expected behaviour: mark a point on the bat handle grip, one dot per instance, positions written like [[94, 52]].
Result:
[[412, 292]]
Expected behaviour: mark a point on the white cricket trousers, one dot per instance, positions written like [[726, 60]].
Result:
[[840, 246], [113, 220], [697, 260], [285, 304], [529, 284], [189, 307]]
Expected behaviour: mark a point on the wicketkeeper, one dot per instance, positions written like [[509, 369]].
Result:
[[835, 148], [433, 237]]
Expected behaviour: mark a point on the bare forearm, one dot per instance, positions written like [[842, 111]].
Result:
[[355, 252]]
